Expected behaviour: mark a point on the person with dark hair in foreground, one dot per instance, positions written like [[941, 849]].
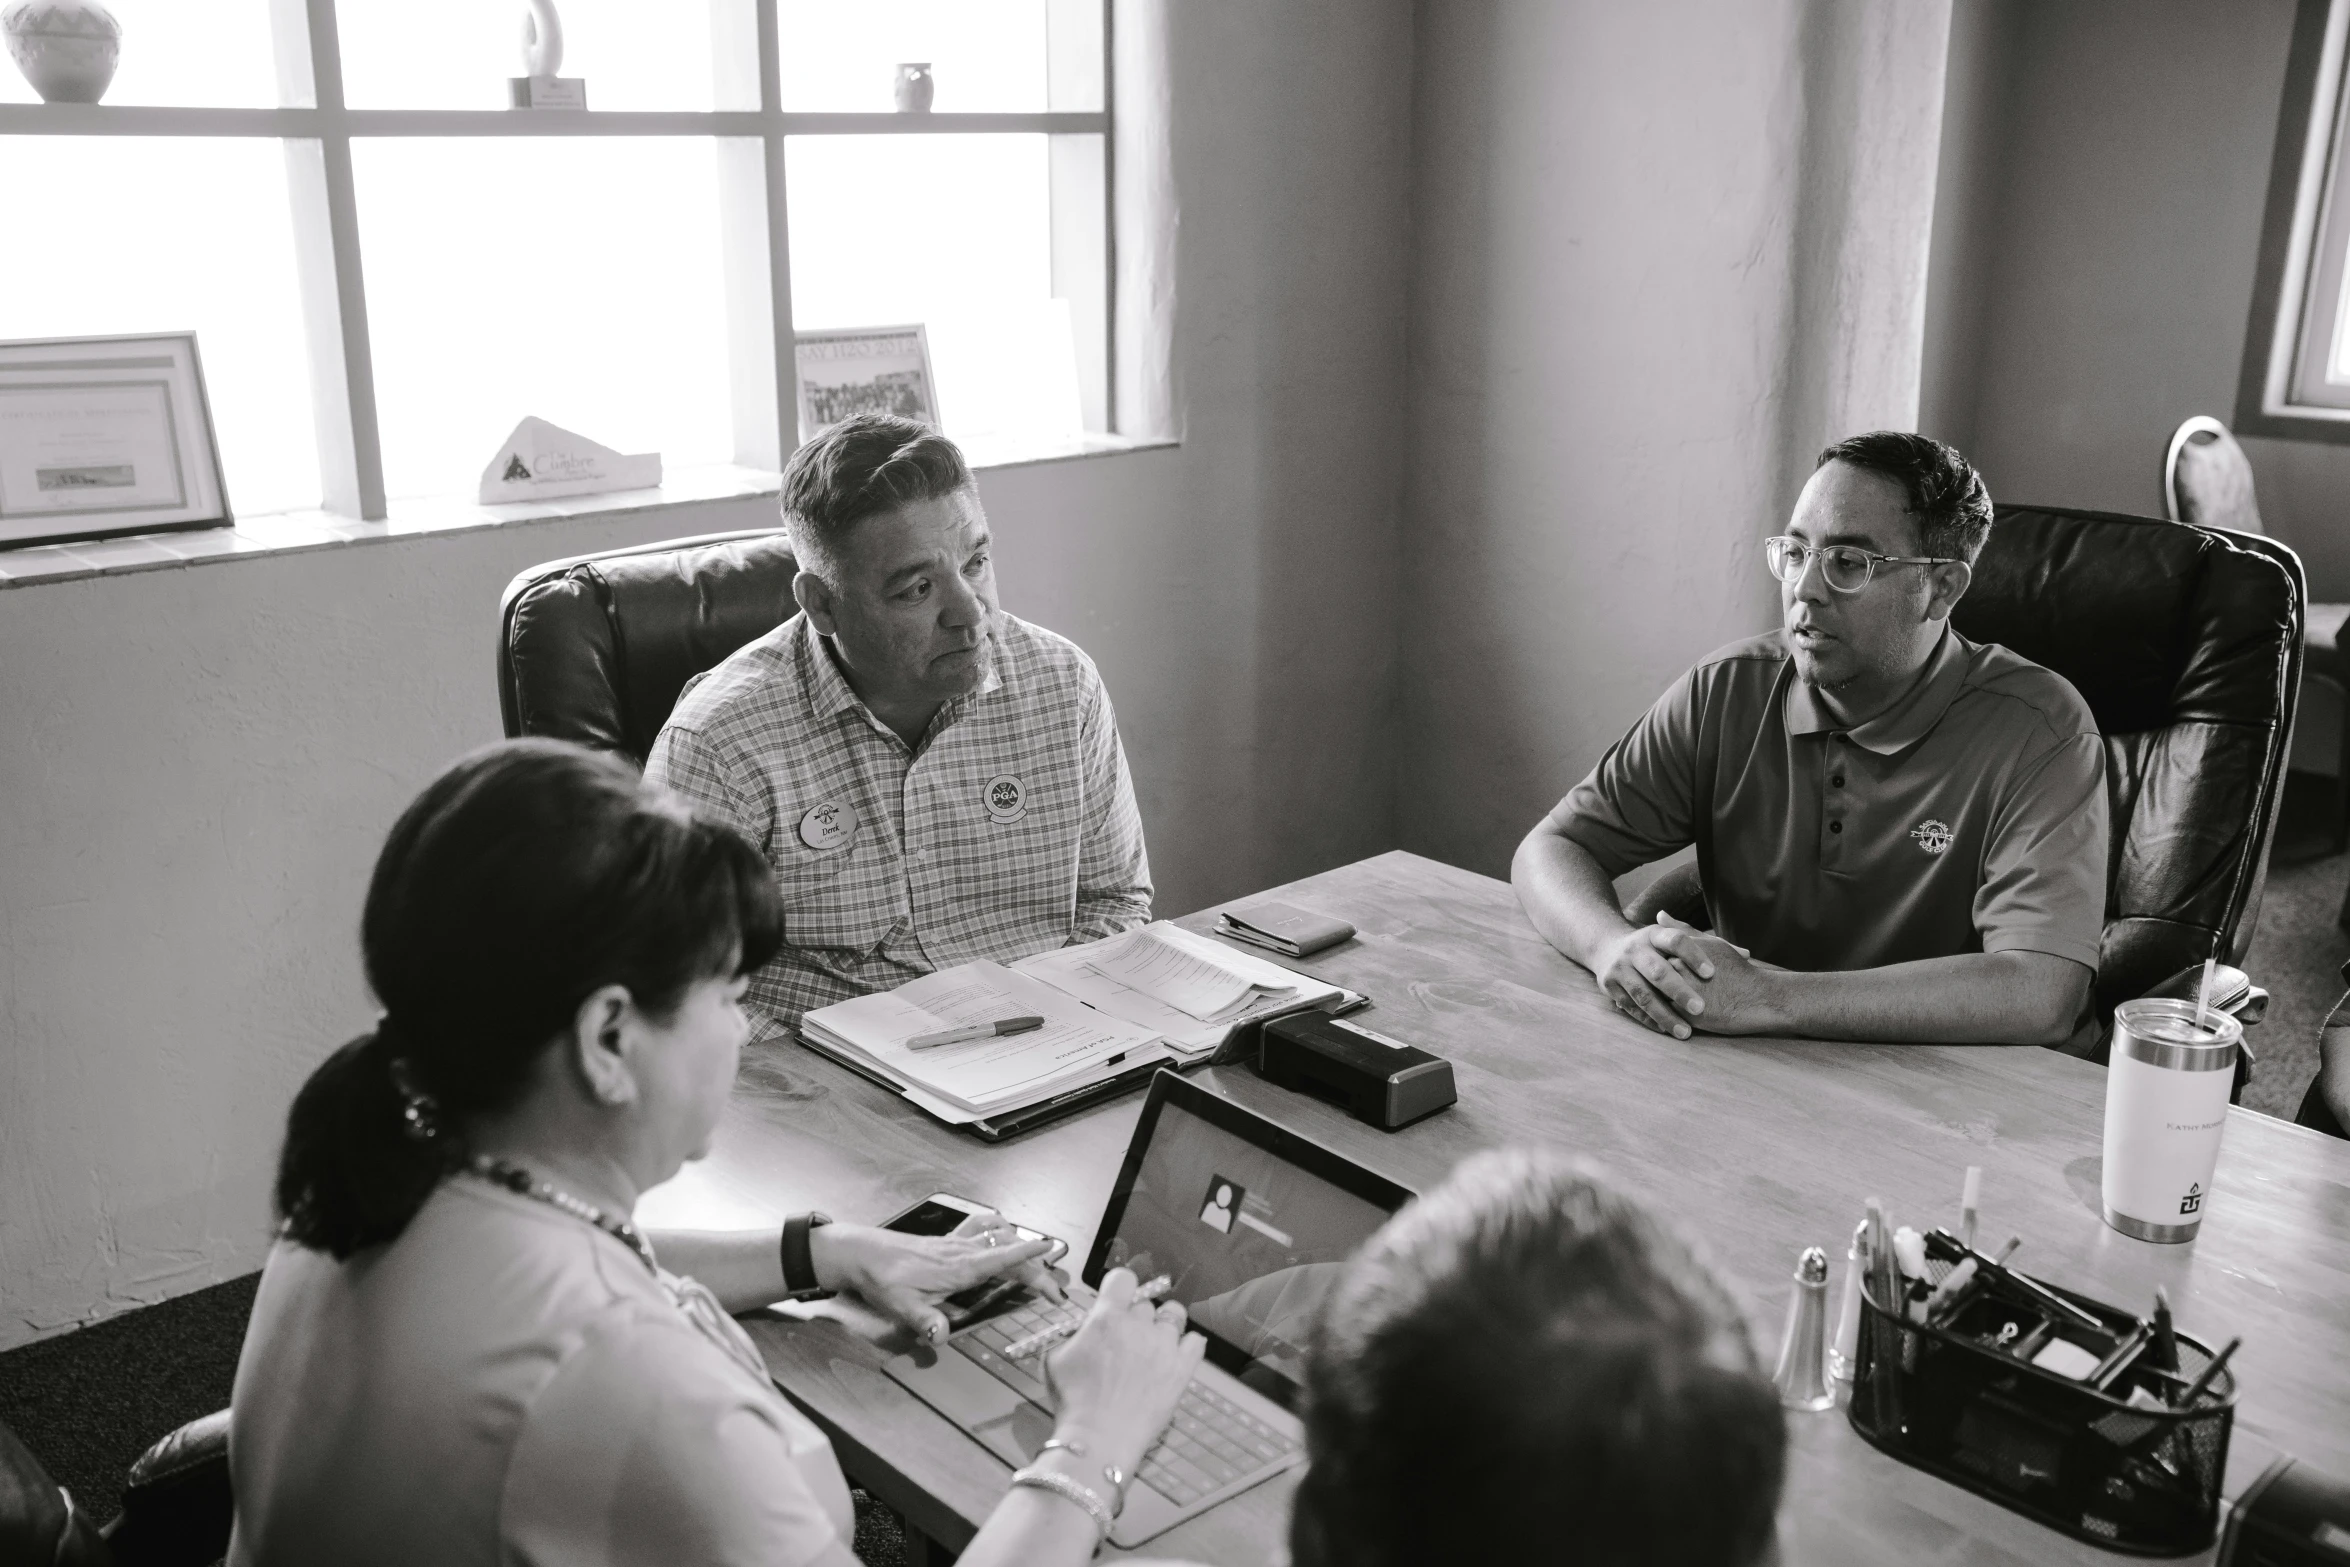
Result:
[[931, 780], [1525, 1366], [463, 1351], [1900, 834]]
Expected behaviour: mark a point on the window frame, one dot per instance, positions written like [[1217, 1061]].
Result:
[[317, 130], [2300, 307]]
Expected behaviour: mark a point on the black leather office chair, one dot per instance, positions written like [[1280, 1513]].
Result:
[[176, 1506], [595, 648], [2186, 642], [2207, 479]]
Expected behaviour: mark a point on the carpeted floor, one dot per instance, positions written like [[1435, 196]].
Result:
[[2297, 950], [88, 1403]]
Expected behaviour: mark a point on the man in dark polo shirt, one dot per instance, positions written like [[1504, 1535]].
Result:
[[1901, 834]]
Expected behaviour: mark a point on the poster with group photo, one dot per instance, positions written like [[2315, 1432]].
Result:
[[865, 370]]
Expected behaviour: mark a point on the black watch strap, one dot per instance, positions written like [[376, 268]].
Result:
[[799, 1268]]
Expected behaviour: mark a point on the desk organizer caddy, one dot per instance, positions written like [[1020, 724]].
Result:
[[2089, 1464]]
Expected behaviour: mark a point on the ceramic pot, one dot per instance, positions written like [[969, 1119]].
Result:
[[915, 89], [66, 48]]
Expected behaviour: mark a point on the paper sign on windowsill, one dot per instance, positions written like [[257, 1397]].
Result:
[[540, 461]]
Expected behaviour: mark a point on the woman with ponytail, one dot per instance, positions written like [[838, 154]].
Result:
[[463, 1351]]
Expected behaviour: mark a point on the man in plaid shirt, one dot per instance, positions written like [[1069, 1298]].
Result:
[[932, 779]]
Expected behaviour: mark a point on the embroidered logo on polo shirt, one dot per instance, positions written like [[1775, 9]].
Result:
[[1006, 799], [1934, 837]]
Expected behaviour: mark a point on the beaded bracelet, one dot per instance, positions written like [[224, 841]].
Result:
[[1068, 1490]]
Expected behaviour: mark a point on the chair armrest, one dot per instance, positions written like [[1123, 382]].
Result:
[[39, 1522], [2232, 991], [177, 1504]]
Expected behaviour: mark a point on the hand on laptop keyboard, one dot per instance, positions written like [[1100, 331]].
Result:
[[1118, 1377], [1209, 1443]]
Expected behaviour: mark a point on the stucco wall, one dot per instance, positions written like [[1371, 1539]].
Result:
[[1663, 253], [2132, 186], [200, 764]]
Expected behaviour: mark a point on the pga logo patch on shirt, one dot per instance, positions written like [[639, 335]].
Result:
[[1006, 799], [1934, 837]]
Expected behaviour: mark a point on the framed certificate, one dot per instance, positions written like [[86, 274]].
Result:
[[102, 436]]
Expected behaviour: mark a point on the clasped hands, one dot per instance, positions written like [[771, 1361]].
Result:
[[1676, 979]]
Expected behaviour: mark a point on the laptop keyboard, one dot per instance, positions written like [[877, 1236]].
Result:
[[1211, 1442]]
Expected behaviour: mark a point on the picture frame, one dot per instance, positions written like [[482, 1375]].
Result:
[[854, 370], [106, 436]]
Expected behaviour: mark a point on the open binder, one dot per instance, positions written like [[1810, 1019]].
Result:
[[1114, 1010]]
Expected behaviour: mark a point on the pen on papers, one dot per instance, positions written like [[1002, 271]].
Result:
[[1045, 1338], [955, 1036]]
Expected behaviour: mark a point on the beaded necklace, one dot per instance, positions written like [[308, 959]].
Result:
[[498, 1172], [690, 1296]]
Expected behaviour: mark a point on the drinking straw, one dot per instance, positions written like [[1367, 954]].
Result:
[[2203, 995]]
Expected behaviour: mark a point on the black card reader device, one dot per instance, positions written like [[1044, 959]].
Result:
[[1380, 1080]]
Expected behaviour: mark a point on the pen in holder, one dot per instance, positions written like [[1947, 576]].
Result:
[[2126, 1454]]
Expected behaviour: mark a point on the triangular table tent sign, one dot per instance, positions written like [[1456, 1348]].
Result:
[[540, 461]]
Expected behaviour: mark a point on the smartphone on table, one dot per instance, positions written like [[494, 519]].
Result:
[[939, 1214]]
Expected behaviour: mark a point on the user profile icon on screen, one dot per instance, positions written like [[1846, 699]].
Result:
[[1222, 1203]]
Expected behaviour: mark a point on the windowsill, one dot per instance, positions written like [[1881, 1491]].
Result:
[[293, 533]]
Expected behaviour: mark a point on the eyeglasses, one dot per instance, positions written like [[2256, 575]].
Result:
[[1846, 568]]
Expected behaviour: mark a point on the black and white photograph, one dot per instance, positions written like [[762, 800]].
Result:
[[1225, 783]]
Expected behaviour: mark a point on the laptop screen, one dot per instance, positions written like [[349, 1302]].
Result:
[[1249, 1220]]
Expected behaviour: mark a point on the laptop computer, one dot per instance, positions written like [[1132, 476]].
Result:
[[1250, 1222]]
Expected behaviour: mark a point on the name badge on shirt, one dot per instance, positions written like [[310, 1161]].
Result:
[[1006, 799], [828, 826]]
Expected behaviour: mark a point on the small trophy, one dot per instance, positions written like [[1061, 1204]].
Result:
[[542, 58]]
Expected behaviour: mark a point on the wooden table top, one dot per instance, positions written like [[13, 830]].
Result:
[[1758, 1147]]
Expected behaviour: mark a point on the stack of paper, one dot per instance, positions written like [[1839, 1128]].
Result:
[[1110, 975], [979, 1077], [1151, 995], [1202, 987]]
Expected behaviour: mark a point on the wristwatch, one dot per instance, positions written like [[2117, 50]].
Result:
[[799, 1269]]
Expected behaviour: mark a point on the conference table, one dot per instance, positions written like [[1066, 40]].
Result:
[[1757, 1147]]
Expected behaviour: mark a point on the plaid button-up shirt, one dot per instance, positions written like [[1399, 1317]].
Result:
[[1010, 830]]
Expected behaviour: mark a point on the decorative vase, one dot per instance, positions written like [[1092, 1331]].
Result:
[[915, 89], [66, 48]]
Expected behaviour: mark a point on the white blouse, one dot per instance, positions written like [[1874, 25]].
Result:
[[507, 1384]]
